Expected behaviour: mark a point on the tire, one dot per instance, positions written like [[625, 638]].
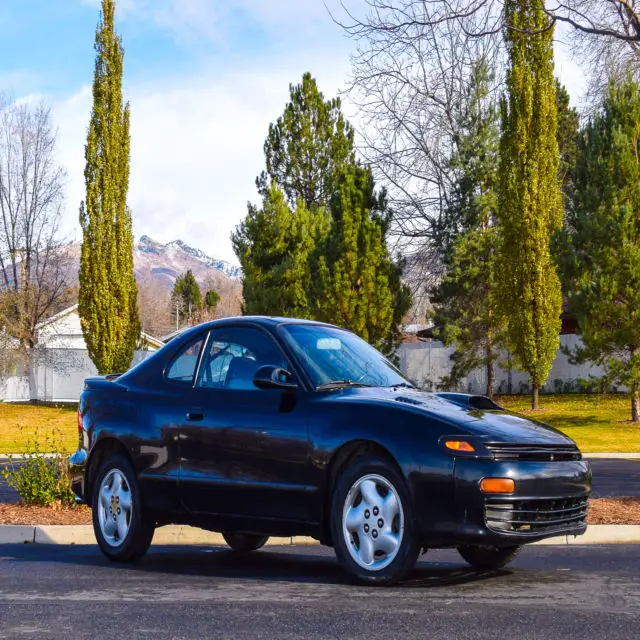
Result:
[[364, 494], [244, 542], [488, 557], [122, 533]]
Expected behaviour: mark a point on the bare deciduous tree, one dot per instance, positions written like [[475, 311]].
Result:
[[605, 33], [230, 296], [410, 80], [153, 305], [34, 263]]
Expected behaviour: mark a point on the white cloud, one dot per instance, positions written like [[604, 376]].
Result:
[[188, 20], [196, 148], [197, 139]]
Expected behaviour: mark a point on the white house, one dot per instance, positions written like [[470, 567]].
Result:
[[61, 362]]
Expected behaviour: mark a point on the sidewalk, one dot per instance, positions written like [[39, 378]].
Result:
[[182, 535]]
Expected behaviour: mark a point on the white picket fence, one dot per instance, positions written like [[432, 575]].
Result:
[[57, 375], [426, 363]]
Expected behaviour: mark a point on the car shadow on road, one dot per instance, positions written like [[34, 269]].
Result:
[[309, 565]]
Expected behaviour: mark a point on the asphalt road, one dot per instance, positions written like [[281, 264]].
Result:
[[283, 592], [615, 477]]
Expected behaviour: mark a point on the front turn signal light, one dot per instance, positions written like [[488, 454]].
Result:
[[458, 445], [497, 485]]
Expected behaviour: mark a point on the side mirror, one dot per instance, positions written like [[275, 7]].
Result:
[[272, 377]]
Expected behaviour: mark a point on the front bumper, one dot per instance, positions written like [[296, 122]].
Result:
[[77, 465], [550, 499]]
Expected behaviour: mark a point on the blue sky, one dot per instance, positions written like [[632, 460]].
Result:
[[204, 78]]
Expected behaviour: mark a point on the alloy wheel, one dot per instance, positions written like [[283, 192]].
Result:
[[115, 508], [373, 522]]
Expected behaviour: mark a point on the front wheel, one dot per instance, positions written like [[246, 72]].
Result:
[[244, 542], [371, 523], [121, 531], [488, 557]]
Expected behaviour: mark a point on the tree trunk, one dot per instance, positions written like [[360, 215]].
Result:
[[534, 396], [490, 370], [635, 404]]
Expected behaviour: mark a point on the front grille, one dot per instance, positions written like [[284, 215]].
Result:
[[533, 453], [535, 516]]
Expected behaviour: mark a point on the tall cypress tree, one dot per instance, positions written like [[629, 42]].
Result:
[[108, 292], [530, 199]]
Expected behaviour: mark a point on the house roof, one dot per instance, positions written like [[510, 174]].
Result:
[[57, 316], [147, 338]]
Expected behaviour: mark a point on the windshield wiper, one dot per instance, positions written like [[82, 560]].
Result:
[[336, 384]]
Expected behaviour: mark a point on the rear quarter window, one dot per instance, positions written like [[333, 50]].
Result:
[[183, 366]]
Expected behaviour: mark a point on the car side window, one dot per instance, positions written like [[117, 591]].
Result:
[[183, 366], [234, 355]]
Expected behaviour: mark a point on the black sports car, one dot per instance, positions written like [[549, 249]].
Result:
[[271, 426]]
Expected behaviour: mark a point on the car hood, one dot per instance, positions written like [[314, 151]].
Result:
[[497, 425]]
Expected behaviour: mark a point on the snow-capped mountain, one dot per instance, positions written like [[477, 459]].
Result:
[[174, 258], [221, 265], [154, 261]]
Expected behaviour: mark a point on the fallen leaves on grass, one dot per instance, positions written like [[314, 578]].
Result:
[[21, 514], [614, 511], [534, 412]]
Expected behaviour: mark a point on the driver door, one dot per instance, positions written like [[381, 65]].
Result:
[[246, 451]]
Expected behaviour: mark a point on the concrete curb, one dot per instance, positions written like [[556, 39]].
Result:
[[183, 535], [83, 535], [612, 456]]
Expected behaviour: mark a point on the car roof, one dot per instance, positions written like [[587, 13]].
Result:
[[266, 321]]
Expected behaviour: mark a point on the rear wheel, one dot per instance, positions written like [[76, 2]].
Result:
[[121, 531], [488, 557], [244, 542], [371, 523]]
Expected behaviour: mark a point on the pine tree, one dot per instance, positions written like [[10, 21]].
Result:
[[465, 300], [568, 126], [309, 151], [602, 241], [274, 245], [107, 296], [307, 148], [211, 299], [530, 200], [186, 297], [466, 307], [353, 275]]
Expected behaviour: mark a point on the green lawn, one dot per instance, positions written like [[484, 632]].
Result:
[[595, 422], [54, 427]]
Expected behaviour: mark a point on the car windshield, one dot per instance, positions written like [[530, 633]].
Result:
[[332, 356]]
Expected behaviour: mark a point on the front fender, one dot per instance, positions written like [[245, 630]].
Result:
[[410, 437]]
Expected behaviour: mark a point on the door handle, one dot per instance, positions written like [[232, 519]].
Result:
[[195, 416]]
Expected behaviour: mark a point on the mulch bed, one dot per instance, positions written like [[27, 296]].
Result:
[[614, 511], [21, 514], [601, 511]]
